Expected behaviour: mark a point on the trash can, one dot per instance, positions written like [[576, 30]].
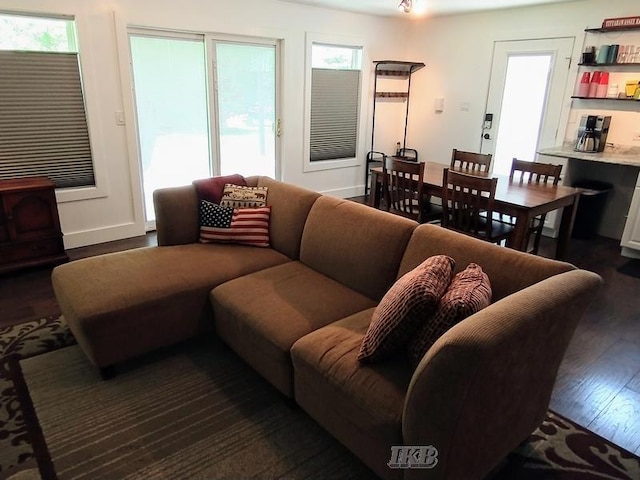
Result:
[[590, 207]]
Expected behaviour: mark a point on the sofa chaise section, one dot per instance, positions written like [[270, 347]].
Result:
[[125, 304], [128, 303]]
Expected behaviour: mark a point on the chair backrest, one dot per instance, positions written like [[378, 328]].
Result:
[[467, 203], [470, 161], [403, 182], [410, 154], [534, 172]]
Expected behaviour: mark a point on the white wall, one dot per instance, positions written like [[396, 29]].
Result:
[[116, 211], [458, 52], [456, 49]]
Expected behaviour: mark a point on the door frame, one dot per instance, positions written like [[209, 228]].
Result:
[[556, 97]]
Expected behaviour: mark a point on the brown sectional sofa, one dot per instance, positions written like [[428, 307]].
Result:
[[297, 313]]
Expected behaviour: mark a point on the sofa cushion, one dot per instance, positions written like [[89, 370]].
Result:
[[262, 314], [124, 304], [359, 405], [469, 292], [238, 196], [497, 262], [355, 244], [246, 226], [291, 205], [409, 302], [211, 189]]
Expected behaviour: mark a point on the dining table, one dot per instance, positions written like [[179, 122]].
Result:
[[521, 200]]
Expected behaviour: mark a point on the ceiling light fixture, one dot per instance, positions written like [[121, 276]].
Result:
[[405, 6]]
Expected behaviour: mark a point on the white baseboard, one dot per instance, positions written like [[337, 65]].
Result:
[[549, 232], [349, 192], [102, 235], [630, 253]]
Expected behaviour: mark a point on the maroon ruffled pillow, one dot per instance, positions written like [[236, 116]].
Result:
[[406, 306], [469, 292], [212, 189]]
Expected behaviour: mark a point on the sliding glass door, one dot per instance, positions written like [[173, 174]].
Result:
[[246, 101], [204, 107]]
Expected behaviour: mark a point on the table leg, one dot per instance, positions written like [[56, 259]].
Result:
[[519, 238], [374, 190], [566, 227]]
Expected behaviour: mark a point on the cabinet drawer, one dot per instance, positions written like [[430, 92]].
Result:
[[30, 250]]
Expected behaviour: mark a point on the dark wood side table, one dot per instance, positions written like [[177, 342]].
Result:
[[30, 232]]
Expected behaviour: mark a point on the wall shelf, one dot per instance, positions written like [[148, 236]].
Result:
[[392, 94], [612, 30], [617, 68], [396, 70], [605, 98], [597, 65]]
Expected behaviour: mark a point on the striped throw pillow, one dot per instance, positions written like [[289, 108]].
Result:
[[246, 226], [469, 292]]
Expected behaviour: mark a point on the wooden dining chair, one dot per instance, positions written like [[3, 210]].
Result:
[[468, 204], [470, 161], [410, 154], [403, 187], [534, 173]]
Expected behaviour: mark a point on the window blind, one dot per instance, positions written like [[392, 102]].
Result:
[[43, 126], [335, 96]]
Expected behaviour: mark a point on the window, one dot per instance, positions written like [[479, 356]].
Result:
[[334, 104], [43, 126]]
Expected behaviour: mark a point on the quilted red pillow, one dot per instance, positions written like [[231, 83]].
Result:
[[211, 189], [469, 292], [405, 307]]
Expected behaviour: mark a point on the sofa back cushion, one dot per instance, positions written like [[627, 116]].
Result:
[[354, 244], [508, 270], [176, 211], [290, 206]]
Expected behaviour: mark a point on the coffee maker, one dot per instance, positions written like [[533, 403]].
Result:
[[592, 133]]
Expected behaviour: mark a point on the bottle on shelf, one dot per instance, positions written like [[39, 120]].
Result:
[[603, 54], [603, 85], [589, 55], [583, 88], [612, 55], [593, 86], [398, 149]]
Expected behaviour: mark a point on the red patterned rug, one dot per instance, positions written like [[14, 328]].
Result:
[[559, 449]]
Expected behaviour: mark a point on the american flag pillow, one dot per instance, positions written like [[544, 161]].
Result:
[[247, 226]]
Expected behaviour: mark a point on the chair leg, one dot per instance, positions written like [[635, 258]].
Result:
[[538, 234], [108, 372]]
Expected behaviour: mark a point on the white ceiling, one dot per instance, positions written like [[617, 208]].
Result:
[[422, 7]]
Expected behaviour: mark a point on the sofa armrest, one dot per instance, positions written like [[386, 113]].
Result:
[[485, 385], [176, 215]]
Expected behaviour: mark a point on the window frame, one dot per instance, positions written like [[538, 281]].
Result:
[[90, 94], [338, 41]]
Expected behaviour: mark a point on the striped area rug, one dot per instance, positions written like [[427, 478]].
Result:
[[197, 411], [194, 412]]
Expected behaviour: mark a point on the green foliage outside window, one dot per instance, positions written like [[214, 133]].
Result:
[[40, 34]]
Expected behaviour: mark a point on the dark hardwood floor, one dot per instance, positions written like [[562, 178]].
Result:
[[598, 384]]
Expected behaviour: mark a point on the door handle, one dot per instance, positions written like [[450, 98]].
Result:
[[278, 128]]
